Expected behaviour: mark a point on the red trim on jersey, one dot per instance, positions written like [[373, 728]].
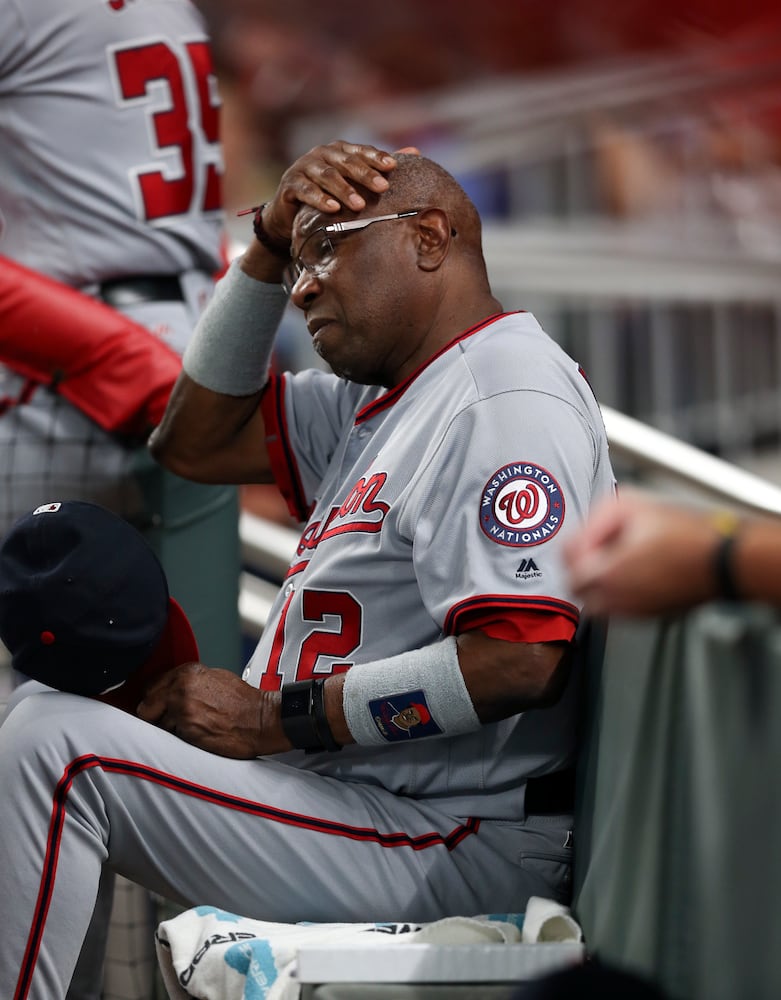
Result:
[[281, 455], [516, 619], [587, 380], [390, 397], [283, 462], [114, 370], [141, 771]]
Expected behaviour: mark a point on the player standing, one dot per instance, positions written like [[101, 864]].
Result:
[[111, 233], [111, 186]]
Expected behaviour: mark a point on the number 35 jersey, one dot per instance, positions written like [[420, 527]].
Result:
[[434, 508], [109, 127]]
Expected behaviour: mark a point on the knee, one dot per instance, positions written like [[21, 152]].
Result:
[[41, 717]]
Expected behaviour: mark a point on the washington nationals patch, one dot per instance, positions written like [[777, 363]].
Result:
[[403, 716], [522, 504]]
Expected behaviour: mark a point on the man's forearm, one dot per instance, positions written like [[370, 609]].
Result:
[[208, 437], [468, 682], [230, 349], [212, 430]]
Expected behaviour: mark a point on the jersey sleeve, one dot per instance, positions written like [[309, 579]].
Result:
[[488, 551], [305, 415]]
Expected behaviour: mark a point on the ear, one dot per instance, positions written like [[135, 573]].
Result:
[[434, 236]]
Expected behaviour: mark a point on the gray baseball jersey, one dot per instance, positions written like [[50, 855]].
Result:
[[110, 167], [437, 507]]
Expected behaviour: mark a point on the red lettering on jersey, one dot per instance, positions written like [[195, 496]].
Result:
[[362, 495], [351, 516], [201, 60], [324, 650], [138, 68], [317, 606], [272, 675]]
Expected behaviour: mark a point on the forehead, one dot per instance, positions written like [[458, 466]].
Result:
[[308, 220]]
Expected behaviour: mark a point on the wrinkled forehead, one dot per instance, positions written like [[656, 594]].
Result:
[[309, 219], [306, 222]]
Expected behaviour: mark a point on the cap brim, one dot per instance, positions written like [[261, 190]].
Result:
[[177, 645]]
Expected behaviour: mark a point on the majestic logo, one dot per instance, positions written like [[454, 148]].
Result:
[[522, 504], [528, 570]]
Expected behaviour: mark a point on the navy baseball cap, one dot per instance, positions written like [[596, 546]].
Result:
[[84, 604]]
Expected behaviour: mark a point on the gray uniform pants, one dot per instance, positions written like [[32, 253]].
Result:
[[84, 786]]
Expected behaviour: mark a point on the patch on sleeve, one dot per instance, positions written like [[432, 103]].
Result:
[[403, 716], [522, 504]]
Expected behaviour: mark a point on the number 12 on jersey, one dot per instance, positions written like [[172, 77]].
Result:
[[342, 618]]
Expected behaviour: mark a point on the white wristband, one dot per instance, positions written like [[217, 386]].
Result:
[[416, 694], [230, 348]]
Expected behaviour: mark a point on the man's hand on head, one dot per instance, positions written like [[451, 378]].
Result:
[[325, 179]]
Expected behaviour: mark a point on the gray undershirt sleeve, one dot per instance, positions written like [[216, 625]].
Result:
[[230, 349]]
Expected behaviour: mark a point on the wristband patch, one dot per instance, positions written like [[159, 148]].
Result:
[[522, 504], [403, 716]]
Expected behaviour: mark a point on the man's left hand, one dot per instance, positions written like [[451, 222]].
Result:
[[215, 710]]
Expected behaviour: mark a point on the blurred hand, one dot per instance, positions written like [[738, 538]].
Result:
[[639, 556]]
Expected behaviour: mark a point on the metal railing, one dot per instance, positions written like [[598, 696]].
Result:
[[670, 465], [266, 551], [688, 341]]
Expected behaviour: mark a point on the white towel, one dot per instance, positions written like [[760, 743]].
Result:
[[209, 954], [547, 920]]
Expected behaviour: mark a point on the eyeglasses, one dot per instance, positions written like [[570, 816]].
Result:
[[317, 251]]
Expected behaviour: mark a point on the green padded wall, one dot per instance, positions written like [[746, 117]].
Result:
[[194, 531], [678, 823]]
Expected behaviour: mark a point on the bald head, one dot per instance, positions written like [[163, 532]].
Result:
[[418, 182]]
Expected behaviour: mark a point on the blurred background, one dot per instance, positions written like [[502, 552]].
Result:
[[625, 157]]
